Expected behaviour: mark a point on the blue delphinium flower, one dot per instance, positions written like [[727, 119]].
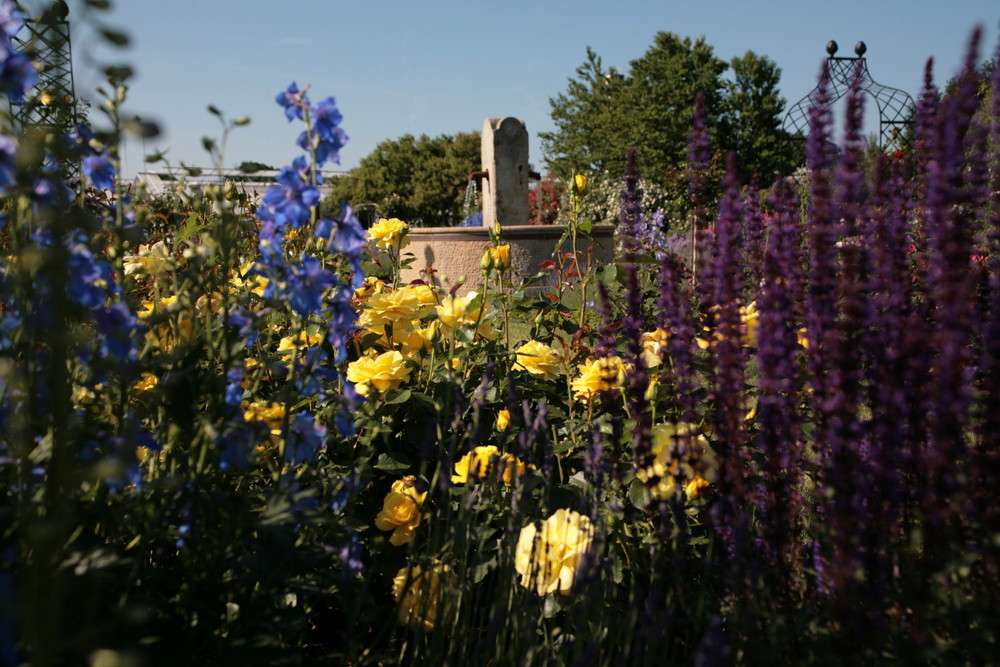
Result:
[[290, 201], [17, 73], [305, 439], [306, 284], [8, 162], [118, 329], [324, 138], [100, 171], [293, 100], [91, 279]]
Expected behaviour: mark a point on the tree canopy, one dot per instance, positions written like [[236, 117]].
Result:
[[604, 112], [420, 180]]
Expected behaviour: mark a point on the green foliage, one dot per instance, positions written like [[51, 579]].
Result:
[[251, 167], [603, 113], [752, 110], [420, 180]]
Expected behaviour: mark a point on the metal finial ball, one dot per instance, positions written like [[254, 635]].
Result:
[[860, 49], [831, 47]]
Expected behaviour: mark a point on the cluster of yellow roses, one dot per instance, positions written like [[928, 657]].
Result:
[[593, 375]]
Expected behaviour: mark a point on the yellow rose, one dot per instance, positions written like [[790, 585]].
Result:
[[152, 260], [381, 373], [422, 593], [550, 558], [654, 346], [481, 460], [457, 311], [401, 511], [597, 375], [503, 420], [300, 341], [389, 233], [538, 359], [682, 459], [581, 182]]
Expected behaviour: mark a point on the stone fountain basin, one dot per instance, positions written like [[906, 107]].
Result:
[[456, 252]]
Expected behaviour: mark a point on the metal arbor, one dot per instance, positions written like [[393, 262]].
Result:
[[52, 103], [895, 106]]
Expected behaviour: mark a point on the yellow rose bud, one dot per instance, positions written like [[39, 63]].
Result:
[[503, 420], [501, 257], [581, 182]]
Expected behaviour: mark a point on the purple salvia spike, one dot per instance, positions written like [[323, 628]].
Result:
[[777, 360], [638, 377]]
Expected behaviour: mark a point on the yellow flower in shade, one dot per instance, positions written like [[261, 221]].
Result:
[[551, 557], [538, 359], [271, 414], [482, 460], [751, 323], [596, 375], [424, 595], [169, 323], [389, 233], [457, 311], [146, 382], [300, 341], [153, 260], [503, 420], [581, 182], [682, 460], [654, 346], [401, 511], [380, 373]]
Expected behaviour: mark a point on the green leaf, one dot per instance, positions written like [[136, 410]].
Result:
[[638, 494], [191, 227], [396, 396], [607, 273], [389, 463]]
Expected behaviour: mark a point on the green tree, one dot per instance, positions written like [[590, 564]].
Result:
[[752, 112], [419, 180], [603, 113]]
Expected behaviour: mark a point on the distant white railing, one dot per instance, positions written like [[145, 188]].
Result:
[[167, 179]]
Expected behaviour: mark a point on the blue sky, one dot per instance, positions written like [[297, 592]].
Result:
[[440, 67]]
